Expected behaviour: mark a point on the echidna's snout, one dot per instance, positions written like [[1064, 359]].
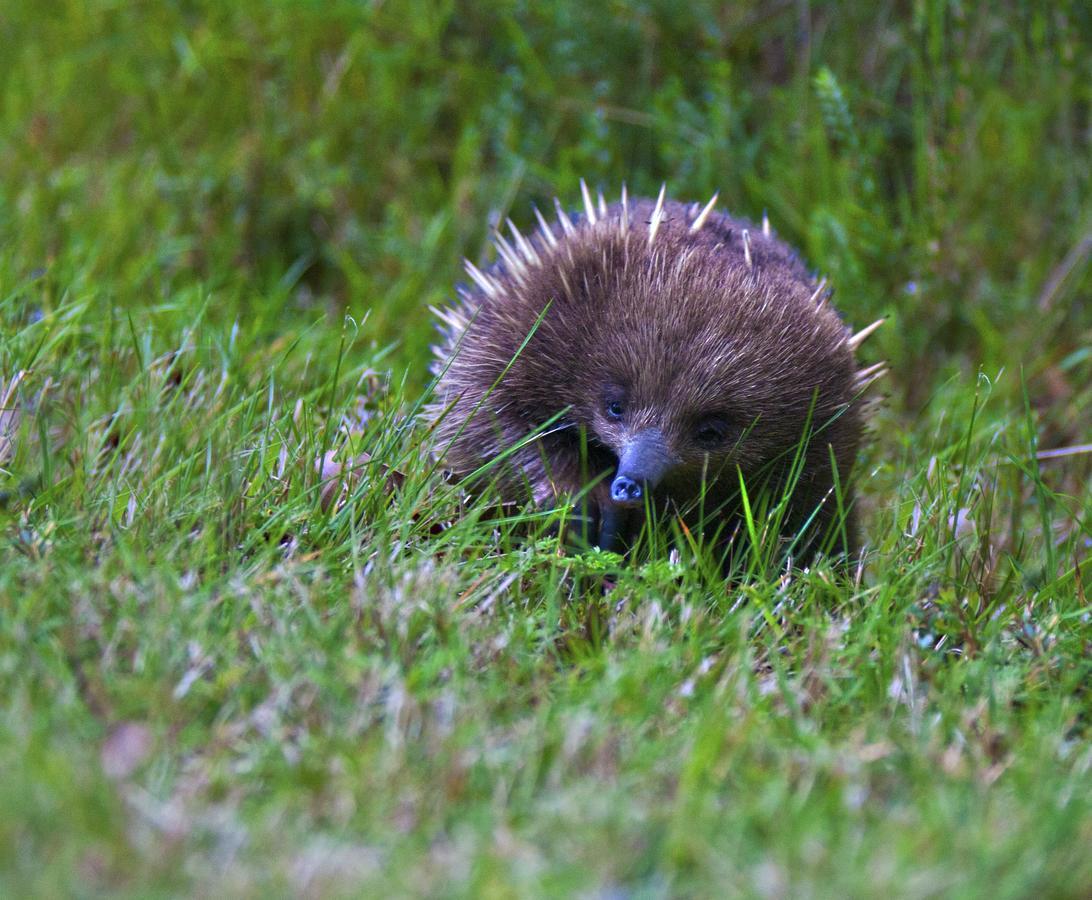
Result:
[[644, 461], [625, 490]]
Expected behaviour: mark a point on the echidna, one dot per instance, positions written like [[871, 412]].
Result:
[[656, 351]]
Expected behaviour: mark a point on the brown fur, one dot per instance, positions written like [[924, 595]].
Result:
[[684, 329]]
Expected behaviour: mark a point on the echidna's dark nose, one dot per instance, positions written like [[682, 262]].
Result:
[[642, 463], [625, 490]]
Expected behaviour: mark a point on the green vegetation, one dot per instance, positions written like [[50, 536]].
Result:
[[221, 226]]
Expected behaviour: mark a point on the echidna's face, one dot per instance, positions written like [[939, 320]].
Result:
[[673, 436], [691, 370]]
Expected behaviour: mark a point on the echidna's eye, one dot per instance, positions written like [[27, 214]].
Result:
[[616, 409], [710, 433]]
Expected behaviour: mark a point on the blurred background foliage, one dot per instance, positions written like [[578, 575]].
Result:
[[932, 157]]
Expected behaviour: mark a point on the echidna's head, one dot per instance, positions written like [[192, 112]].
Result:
[[673, 343], [696, 368]]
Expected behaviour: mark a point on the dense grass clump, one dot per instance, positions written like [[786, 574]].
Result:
[[251, 641]]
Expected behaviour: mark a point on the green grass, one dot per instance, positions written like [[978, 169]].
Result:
[[221, 226]]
